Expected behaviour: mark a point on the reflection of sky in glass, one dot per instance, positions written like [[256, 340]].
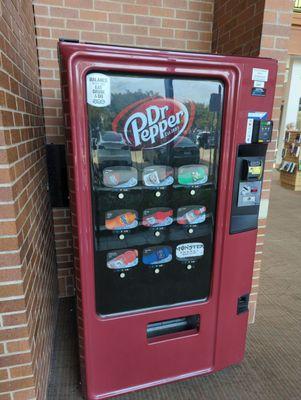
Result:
[[196, 90]]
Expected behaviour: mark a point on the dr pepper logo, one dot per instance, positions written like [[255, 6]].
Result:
[[154, 122]]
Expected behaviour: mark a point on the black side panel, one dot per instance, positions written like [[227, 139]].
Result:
[[57, 175]]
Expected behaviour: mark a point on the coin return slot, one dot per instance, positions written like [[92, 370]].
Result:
[[171, 328]]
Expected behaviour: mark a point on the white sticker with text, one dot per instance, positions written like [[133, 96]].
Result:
[[259, 74], [249, 130], [259, 84], [98, 90]]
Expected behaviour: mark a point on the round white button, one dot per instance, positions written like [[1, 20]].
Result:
[[122, 275], [157, 270], [189, 266], [120, 196], [192, 192], [121, 237], [158, 194], [157, 233], [190, 230]]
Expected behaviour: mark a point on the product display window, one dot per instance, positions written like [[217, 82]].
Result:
[[154, 154]]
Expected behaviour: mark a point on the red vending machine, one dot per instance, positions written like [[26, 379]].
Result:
[[168, 158]]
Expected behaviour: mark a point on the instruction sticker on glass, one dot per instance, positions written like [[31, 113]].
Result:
[[98, 90]]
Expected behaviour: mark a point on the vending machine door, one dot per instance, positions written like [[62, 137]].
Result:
[[154, 153]]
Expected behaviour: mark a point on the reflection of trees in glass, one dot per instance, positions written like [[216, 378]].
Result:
[[203, 116], [102, 117]]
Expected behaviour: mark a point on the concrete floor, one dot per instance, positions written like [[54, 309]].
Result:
[[272, 366]]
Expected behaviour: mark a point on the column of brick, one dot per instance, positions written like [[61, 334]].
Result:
[[27, 258], [237, 27], [182, 24], [276, 29], [256, 28], [64, 250]]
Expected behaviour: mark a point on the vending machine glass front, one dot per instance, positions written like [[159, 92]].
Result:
[[154, 152]]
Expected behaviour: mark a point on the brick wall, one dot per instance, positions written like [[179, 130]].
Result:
[[27, 255], [237, 27], [181, 24], [64, 250], [256, 28], [276, 31]]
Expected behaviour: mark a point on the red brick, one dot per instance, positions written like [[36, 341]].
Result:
[[79, 24], [79, 3], [40, 10], [18, 346], [14, 319], [97, 37], [50, 22], [201, 6], [172, 44], [93, 15], [174, 23], [22, 370], [5, 397], [147, 21], [185, 34], [277, 30], [161, 32], [12, 305], [135, 9], [134, 30], [161, 12], [284, 18], [65, 33], [107, 6], [121, 18], [11, 274], [270, 16], [51, 2], [61, 12], [15, 359], [109, 27], [121, 39], [147, 41], [26, 394], [157, 3], [192, 15], [3, 375]]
